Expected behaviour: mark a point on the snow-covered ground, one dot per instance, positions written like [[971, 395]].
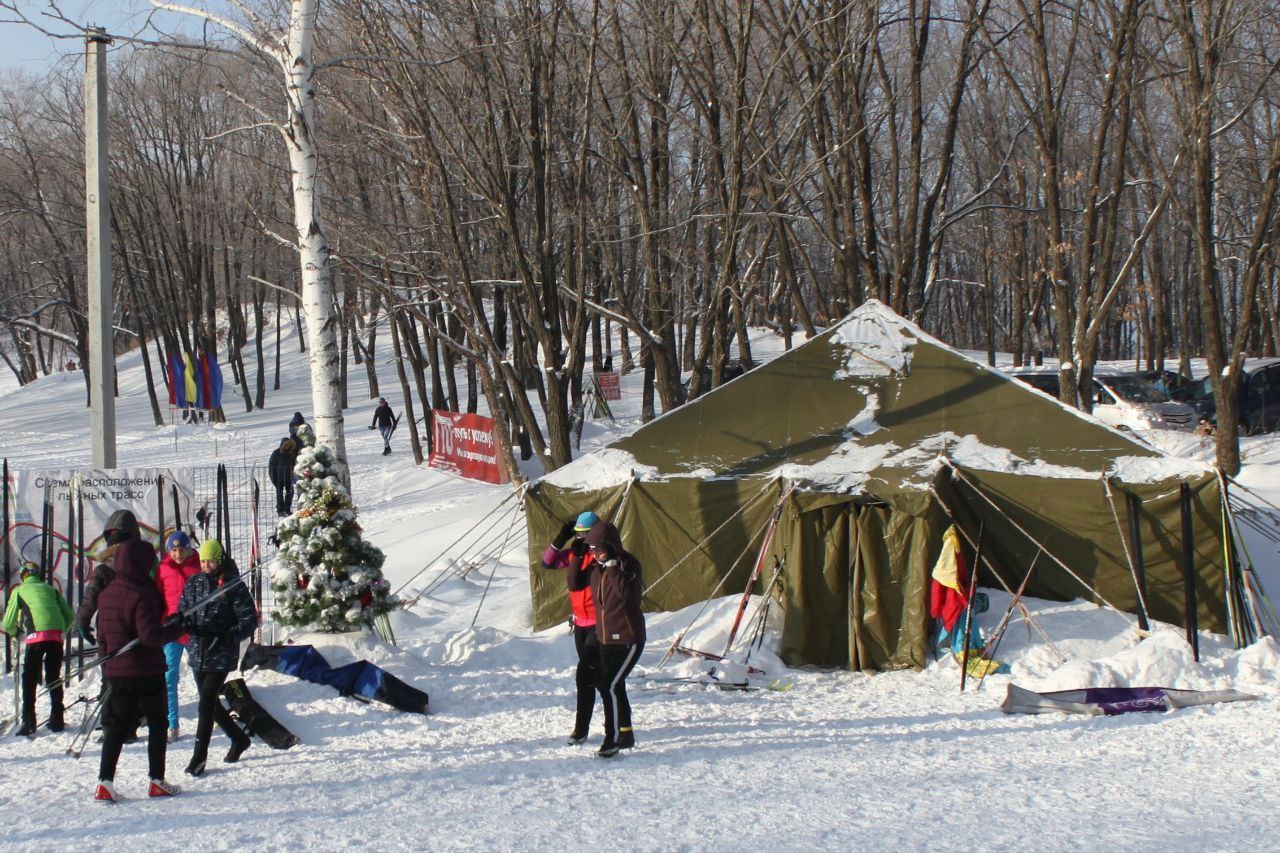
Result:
[[839, 760]]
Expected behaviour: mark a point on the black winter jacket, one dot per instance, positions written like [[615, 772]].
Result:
[[280, 467], [218, 628], [382, 416]]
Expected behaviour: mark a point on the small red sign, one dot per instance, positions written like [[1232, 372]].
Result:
[[467, 446], [610, 388]]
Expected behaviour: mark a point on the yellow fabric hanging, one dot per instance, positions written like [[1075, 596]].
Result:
[[189, 380], [947, 570]]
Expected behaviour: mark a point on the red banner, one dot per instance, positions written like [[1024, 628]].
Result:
[[466, 445], [609, 387]]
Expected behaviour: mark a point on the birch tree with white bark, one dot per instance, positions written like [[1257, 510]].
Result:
[[291, 51]]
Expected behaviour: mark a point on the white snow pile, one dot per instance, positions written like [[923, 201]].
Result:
[[605, 467], [876, 342]]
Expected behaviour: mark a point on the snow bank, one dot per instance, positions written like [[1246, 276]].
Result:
[[605, 467], [1148, 469]]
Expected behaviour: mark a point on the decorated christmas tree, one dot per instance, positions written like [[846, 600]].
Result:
[[326, 576]]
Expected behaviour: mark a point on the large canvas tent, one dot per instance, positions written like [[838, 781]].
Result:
[[866, 442]]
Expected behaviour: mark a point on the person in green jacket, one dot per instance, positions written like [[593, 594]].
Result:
[[40, 612]]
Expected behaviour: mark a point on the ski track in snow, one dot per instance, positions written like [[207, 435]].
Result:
[[841, 760]]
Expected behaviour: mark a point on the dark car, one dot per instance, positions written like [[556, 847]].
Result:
[[1259, 405]]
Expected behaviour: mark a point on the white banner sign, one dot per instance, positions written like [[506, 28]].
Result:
[[149, 493]]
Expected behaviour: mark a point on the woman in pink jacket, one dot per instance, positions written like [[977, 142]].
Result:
[[179, 564]]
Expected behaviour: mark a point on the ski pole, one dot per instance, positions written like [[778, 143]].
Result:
[[973, 596], [199, 605]]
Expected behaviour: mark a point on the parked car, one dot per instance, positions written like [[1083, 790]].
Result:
[[1259, 404], [1125, 401]]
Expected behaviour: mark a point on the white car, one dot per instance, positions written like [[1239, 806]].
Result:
[[1121, 400]]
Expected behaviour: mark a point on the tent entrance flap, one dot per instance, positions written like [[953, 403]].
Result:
[[855, 583]]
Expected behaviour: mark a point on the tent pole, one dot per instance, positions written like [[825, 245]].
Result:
[[1134, 506], [1188, 572], [973, 596], [993, 644]]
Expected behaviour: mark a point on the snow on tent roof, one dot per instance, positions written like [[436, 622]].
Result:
[[874, 397]]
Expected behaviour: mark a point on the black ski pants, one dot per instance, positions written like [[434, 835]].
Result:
[[211, 710], [126, 698], [284, 497], [587, 676], [41, 659], [616, 663]]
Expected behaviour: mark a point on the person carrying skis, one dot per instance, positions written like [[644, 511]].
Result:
[[297, 421], [130, 607], [280, 470], [616, 590], [567, 551], [385, 423], [38, 610], [179, 565], [216, 630]]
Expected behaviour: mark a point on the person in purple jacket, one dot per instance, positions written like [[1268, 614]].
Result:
[[130, 607]]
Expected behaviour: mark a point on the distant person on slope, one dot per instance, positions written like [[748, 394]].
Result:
[[298, 420], [216, 630], [131, 607], [280, 470], [616, 590], [38, 610], [567, 551], [179, 565], [385, 421]]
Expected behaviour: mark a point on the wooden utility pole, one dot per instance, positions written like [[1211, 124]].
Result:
[[102, 402]]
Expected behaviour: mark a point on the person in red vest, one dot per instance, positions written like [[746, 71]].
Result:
[[569, 552]]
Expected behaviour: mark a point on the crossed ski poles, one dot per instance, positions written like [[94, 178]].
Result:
[[90, 724], [199, 605]]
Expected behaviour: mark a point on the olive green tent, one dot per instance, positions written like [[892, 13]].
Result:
[[868, 441]]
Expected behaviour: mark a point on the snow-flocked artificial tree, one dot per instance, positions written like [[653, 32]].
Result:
[[326, 575]]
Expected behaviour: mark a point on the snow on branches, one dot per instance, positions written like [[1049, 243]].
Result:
[[326, 576]]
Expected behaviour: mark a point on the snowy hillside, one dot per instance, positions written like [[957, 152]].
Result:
[[824, 760]]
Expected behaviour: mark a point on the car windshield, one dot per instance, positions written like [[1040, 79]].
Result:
[[1135, 389], [1202, 389]]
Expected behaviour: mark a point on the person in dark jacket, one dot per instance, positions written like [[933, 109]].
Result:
[[130, 607], [569, 552], [122, 526], [280, 470], [216, 631], [298, 420], [385, 422], [616, 590], [39, 612]]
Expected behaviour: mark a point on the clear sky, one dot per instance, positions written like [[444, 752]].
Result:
[[25, 48]]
